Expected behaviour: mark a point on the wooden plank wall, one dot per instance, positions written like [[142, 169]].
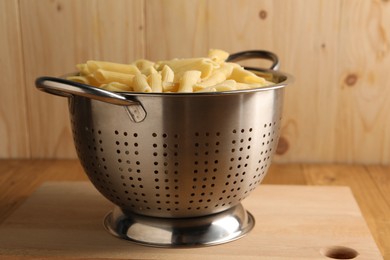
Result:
[[338, 51]]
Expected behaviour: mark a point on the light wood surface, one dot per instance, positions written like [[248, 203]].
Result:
[[370, 186], [67, 33], [64, 219], [14, 137], [338, 51]]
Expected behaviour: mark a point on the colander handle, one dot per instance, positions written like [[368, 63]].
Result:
[[66, 88], [256, 54]]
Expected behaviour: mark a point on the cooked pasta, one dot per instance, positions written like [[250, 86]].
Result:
[[189, 79], [207, 74], [106, 76], [140, 83], [116, 86], [155, 82]]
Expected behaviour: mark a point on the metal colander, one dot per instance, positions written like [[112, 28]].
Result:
[[175, 155]]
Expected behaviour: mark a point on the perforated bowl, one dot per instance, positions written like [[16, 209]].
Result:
[[175, 155]]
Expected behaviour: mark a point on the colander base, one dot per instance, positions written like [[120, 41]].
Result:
[[208, 230]]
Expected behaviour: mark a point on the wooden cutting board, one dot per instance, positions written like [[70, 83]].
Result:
[[64, 219]]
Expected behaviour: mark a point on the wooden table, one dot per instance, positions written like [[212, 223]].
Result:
[[369, 184]]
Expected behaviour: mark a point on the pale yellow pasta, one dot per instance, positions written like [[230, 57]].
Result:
[[116, 86], [219, 56], [180, 66], [227, 68], [143, 64], [167, 74], [227, 85], [216, 78], [80, 79], [149, 71], [140, 84], [225, 88], [92, 80], [93, 66], [209, 89], [83, 68], [88, 79], [105, 76], [241, 86], [256, 85], [155, 82], [189, 79], [206, 74], [244, 76], [170, 87]]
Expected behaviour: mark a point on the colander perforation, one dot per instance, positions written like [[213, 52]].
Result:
[[174, 171]]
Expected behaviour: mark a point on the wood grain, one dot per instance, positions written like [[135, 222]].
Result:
[[365, 182], [14, 140], [338, 52], [176, 29], [318, 219], [369, 185], [364, 93], [59, 34]]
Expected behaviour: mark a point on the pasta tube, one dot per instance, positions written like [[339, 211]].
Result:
[[167, 74], [227, 85], [209, 89], [170, 86], [105, 76], [155, 82], [140, 84], [215, 78], [189, 79], [143, 64], [93, 66], [211, 73], [180, 66], [245, 76], [218, 56], [80, 79], [227, 68], [83, 68], [116, 86], [92, 80]]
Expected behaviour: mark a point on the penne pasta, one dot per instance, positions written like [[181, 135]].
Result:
[[239, 74], [208, 74], [216, 78], [143, 64], [83, 69], [149, 71], [189, 79], [179, 67], [225, 88], [155, 82], [92, 80], [105, 76], [219, 56], [170, 86], [167, 74], [80, 79], [116, 86], [209, 89], [227, 68], [93, 66], [227, 85], [140, 84]]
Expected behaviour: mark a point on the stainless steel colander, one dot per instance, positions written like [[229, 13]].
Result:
[[176, 160]]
